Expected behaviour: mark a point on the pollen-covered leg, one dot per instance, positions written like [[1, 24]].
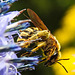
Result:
[[42, 60], [34, 50], [39, 46]]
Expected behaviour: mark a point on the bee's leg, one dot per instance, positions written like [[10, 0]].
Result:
[[34, 50], [50, 54], [42, 60], [39, 46], [25, 54], [27, 43]]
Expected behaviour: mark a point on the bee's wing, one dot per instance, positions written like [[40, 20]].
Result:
[[36, 20]]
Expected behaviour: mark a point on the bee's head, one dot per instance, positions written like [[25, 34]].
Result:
[[54, 59], [56, 55]]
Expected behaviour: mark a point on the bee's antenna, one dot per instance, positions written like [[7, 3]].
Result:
[[62, 66], [64, 59]]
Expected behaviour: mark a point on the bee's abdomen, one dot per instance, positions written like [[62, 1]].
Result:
[[27, 33]]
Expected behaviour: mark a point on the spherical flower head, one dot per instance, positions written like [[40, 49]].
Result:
[[5, 68], [8, 59]]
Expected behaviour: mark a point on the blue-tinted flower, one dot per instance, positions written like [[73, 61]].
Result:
[[9, 62], [5, 5], [4, 69], [4, 20], [20, 27], [28, 62]]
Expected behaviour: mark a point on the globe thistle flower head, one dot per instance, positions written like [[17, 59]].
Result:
[[10, 63]]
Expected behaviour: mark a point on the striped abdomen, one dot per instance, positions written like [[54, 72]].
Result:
[[27, 33]]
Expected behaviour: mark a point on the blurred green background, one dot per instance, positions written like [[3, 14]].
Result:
[[59, 17]]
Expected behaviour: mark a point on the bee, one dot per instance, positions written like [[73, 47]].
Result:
[[43, 39]]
